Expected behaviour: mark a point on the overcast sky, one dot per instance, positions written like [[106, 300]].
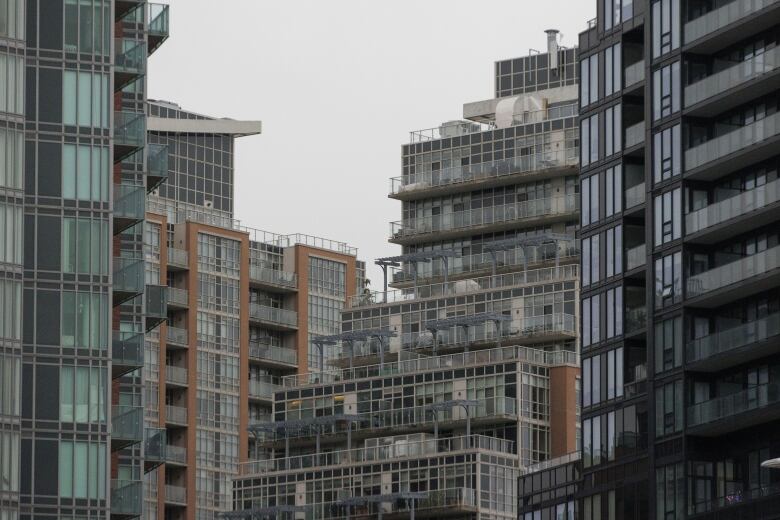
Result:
[[338, 85]]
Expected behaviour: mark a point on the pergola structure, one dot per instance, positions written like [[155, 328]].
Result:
[[350, 338], [264, 513], [296, 425], [449, 405], [466, 321], [526, 244], [409, 496], [414, 259]]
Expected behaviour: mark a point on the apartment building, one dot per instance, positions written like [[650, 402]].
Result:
[[680, 278], [74, 304], [443, 389], [241, 306]]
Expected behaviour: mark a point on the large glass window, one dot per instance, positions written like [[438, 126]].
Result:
[[591, 254], [613, 130], [666, 91], [85, 172], [11, 83], [10, 317], [613, 69], [10, 384], [85, 320], [589, 146], [9, 462], [667, 153], [670, 492], [668, 344], [87, 26], [85, 246], [11, 158], [85, 99], [666, 26], [82, 394], [668, 280], [82, 468], [589, 80], [590, 200], [591, 320], [10, 234], [669, 400], [668, 217], [12, 19], [614, 190]]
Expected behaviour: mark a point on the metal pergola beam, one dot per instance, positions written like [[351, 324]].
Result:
[[352, 336], [449, 405], [296, 425], [414, 258], [525, 243], [466, 321]]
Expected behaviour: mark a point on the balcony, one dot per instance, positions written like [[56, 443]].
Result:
[[129, 62], [635, 196], [728, 24], [742, 147], [177, 337], [737, 345], [158, 28], [129, 206], [175, 415], [636, 257], [494, 173], [156, 305], [735, 412], [261, 390], [156, 166], [127, 353], [127, 426], [731, 87], [273, 355], [634, 74], [272, 278], [739, 279], [127, 498], [123, 7], [178, 298], [495, 218], [128, 279], [175, 495], [129, 133], [176, 376], [271, 317], [636, 320], [155, 448], [176, 455], [178, 259], [635, 135], [736, 215]]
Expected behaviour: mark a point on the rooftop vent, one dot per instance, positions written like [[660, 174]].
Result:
[[552, 47]]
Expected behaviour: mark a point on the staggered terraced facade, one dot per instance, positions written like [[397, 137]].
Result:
[[442, 390], [680, 281]]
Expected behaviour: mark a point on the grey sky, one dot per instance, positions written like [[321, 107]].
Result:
[[338, 85]]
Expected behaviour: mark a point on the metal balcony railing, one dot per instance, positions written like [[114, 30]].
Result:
[[264, 352], [734, 272], [730, 406], [176, 375], [177, 454], [746, 202], [178, 297], [175, 414], [273, 315], [175, 495], [273, 277], [733, 338], [260, 389], [178, 257], [177, 336], [722, 17]]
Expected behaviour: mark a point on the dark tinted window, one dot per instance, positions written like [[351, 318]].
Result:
[[51, 24], [49, 234], [50, 169], [50, 95], [48, 318]]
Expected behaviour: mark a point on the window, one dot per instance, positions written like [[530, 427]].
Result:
[[591, 267], [614, 190], [12, 19], [590, 200], [87, 26], [669, 408], [666, 91], [10, 233], [598, 369], [589, 132], [667, 151], [614, 312], [85, 320], [666, 26], [82, 394], [668, 344], [85, 99], [591, 316], [11, 157], [613, 130], [613, 70], [589, 80], [82, 468], [668, 217], [670, 489], [85, 246], [11, 83], [85, 172], [668, 280]]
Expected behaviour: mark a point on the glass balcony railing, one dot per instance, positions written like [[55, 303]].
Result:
[[128, 277], [734, 141], [127, 352], [635, 134], [176, 414], [127, 423], [127, 498], [722, 17], [159, 20], [177, 335], [129, 60], [273, 315], [155, 445], [178, 257], [729, 406], [636, 319], [178, 297], [734, 272], [733, 338], [636, 257], [129, 130], [176, 454], [176, 375], [260, 389], [732, 77], [489, 170], [746, 202], [634, 73], [156, 165], [156, 305], [175, 495], [273, 277], [263, 352], [635, 195], [552, 206], [129, 205]]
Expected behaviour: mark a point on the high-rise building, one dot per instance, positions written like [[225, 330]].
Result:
[[74, 305], [441, 391], [680, 272], [241, 306]]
